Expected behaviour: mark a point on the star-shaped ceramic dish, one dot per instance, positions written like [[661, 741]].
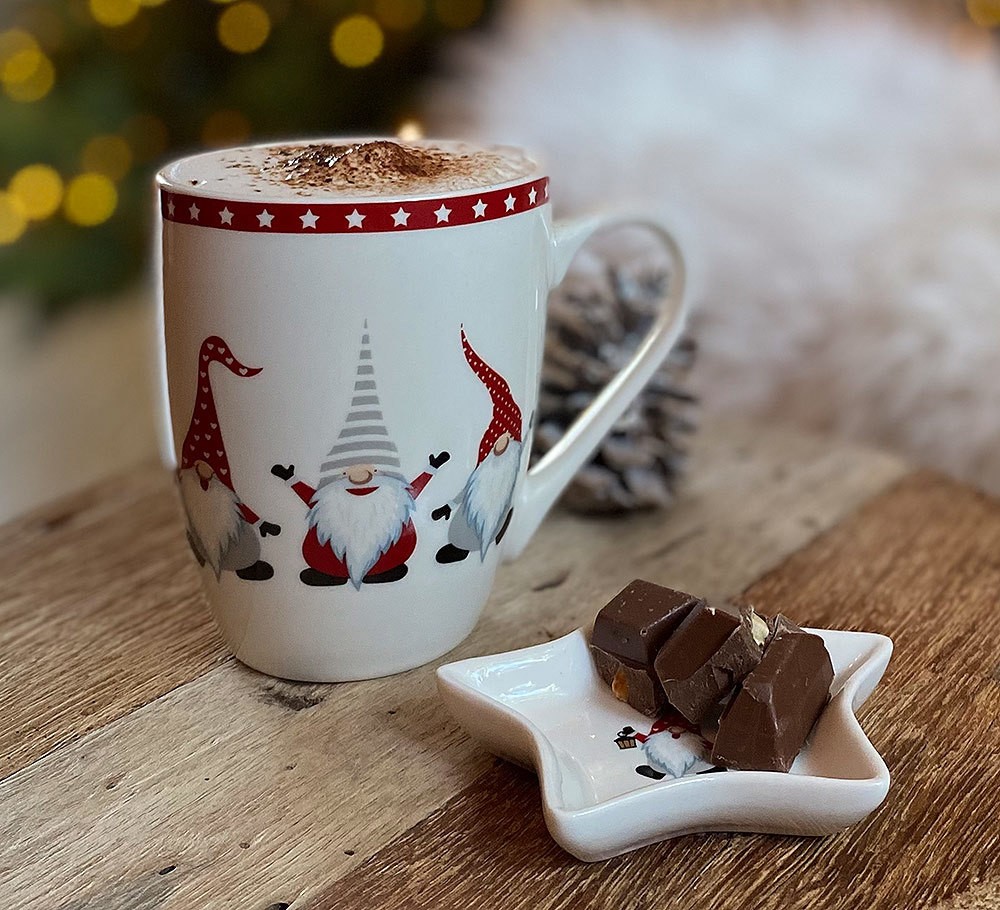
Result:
[[545, 708]]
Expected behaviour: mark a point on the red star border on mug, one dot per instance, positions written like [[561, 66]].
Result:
[[354, 217]]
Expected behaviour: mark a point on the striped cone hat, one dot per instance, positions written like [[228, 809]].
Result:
[[364, 438]]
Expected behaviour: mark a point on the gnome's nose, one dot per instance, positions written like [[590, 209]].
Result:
[[500, 446], [205, 472], [360, 474]]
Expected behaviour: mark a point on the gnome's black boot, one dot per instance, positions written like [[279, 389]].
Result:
[[259, 571], [380, 578], [506, 524], [317, 579], [647, 771], [450, 553]]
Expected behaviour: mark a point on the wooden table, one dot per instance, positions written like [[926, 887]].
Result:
[[142, 767]]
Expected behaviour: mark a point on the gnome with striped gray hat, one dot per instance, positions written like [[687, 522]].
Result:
[[361, 510]]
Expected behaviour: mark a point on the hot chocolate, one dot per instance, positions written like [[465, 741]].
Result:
[[379, 167]]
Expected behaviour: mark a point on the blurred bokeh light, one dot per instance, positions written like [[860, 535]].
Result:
[[97, 93]]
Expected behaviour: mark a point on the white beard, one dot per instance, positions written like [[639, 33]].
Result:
[[213, 515], [673, 757], [360, 529], [488, 492]]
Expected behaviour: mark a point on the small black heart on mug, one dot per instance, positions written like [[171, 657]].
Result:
[[283, 472], [439, 459]]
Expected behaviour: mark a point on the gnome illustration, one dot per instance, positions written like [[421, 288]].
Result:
[[360, 513], [481, 512], [672, 747], [222, 529]]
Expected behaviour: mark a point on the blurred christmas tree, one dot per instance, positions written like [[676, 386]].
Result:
[[97, 93]]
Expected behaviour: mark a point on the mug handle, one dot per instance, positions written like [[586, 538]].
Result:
[[547, 479]]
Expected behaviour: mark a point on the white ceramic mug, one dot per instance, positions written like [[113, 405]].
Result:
[[352, 384]]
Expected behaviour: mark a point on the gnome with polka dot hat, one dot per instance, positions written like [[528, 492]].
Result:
[[223, 531], [480, 514]]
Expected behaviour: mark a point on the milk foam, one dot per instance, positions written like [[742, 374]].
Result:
[[343, 168]]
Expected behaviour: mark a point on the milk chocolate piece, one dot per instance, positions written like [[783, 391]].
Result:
[[628, 633], [713, 649], [765, 725], [638, 620], [631, 683]]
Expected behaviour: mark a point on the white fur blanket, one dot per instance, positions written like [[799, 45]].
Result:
[[837, 181]]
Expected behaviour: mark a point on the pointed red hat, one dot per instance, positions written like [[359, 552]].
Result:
[[506, 413], [203, 441]]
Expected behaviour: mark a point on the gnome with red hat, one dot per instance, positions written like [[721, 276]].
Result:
[[222, 529], [360, 512], [673, 746], [481, 513]]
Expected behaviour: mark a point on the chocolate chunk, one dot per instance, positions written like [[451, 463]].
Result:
[[765, 725], [638, 619], [631, 683], [711, 651]]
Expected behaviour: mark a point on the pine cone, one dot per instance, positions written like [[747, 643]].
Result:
[[594, 327]]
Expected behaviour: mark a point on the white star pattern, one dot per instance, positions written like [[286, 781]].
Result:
[[483, 208]]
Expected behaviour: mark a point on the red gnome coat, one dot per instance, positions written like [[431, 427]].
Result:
[[321, 557]]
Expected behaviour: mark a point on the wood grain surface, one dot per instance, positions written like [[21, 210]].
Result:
[[919, 563], [226, 788], [99, 614]]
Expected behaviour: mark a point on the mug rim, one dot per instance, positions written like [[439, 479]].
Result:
[[167, 182]]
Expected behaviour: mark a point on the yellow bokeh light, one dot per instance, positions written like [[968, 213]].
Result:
[[113, 13], [243, 27], [28, 75], [21, 66], [13, 219], [152, 2], [357, 41], [39, 189], [225, 127], [984, 12], [108, 155], [400, 14], [410, 131], [90, 199], [13, 41], [458, 13]]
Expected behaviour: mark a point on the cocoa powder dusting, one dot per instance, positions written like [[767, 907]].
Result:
[[376, 166]]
